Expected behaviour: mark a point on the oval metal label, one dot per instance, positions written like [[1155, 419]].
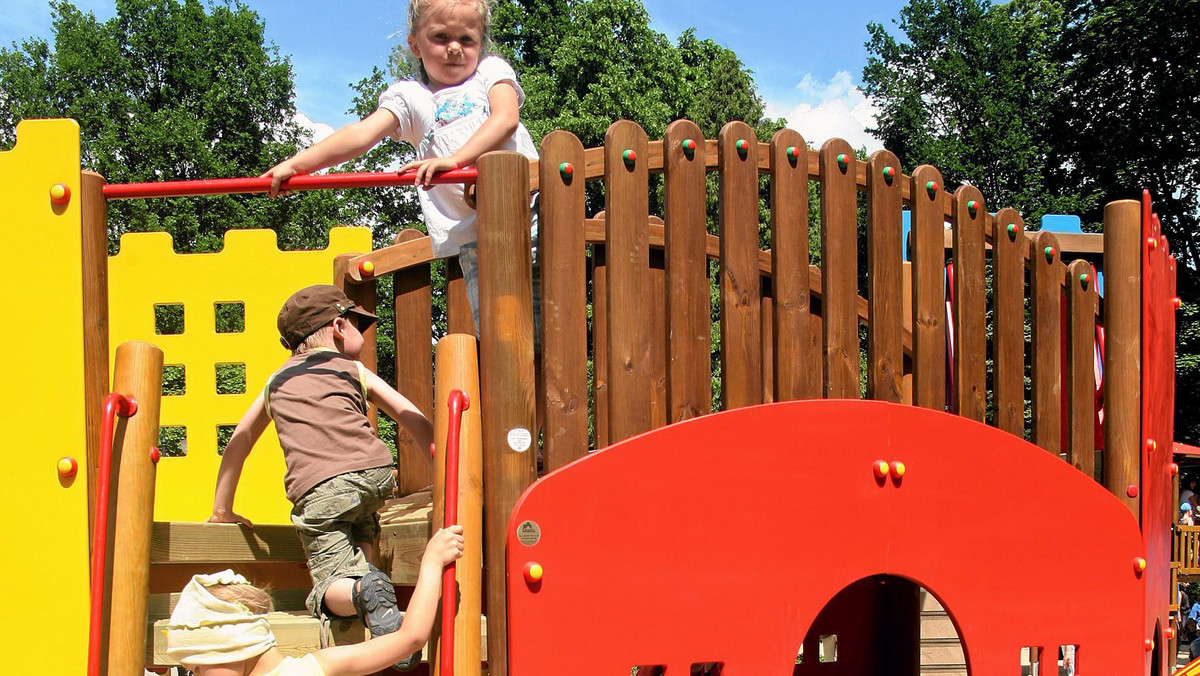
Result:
[[529, 533]]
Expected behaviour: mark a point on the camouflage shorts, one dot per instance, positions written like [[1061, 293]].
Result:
[[332, 518]]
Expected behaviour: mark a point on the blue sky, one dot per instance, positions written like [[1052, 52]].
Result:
[[807, 55]]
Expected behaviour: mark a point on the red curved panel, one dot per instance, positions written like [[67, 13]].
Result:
[[720, 539]]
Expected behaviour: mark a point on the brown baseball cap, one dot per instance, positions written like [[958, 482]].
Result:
[[315, 306]]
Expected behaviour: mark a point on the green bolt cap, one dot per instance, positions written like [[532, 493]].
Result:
[[1049, 252], [973, 207], [842, 161], [931, 187], [689, 146], [793, 152], [566, 169], [742, 146], [629, 156], [1084, 278], [1012, 230]]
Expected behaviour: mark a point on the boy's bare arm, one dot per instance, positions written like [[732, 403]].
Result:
[[400, 409], [346, 143], [245, 435], [378, 654]]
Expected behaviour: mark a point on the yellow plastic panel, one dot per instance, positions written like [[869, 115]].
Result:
[[250, 270], [44, 569]]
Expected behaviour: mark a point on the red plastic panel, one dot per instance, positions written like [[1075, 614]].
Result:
[[1158, 420], [721, 539]]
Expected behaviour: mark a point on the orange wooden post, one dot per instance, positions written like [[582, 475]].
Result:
[[414, 364], [94, 215], [628, 276], [929, 289], [457, 369], [885, 254], [688, 329], [794, 358], [562, 255], [1046, 367], [1081, 361], [970, 304], [839, 269], [458, 307], [1008, 321], [137, 373], [741, 324], [1122, 349], [507, 387]]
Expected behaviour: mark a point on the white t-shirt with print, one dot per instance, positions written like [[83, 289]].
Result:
[[437, 124]]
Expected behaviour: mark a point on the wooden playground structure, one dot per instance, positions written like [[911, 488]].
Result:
[[658, 534]]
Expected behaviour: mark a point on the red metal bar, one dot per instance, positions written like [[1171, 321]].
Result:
[[227, 186], [458, 403], [114, 405]]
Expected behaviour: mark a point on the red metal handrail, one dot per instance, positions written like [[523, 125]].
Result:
[[227, 186], [458, 402], [114, 405]]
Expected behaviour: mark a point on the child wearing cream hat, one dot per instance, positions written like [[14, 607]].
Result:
[[219, 627]]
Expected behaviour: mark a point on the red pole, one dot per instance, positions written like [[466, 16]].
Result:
[[114, 405], [227, 186], [458, 403]]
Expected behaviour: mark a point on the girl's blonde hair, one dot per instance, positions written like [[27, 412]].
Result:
[[418, 9], [256, 600]]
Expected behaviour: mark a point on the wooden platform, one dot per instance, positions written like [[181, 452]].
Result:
[[185, 547]]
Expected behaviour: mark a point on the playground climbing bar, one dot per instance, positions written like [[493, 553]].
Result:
[[229, 186]]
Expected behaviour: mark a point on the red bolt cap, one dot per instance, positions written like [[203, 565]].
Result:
[[1152, 242], [60, 193], [366, 268], [1131, 491], [898, 469], [1151, 445], [629, 156], [1149, 645], [566, 169], [689, 144], [1139, 564], [1169, 633], [155, 455], [931, 187], [882, 469], [1177, 302], [793, 152], [1174, 467], [67, 467], [533, 572]]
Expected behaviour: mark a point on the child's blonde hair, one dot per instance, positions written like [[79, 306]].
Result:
[[322, 337], [417, 11], [256, 600]]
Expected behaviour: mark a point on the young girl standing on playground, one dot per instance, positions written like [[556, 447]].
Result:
[[465, 104]]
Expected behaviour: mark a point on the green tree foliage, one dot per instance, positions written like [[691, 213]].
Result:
[[169, 90]]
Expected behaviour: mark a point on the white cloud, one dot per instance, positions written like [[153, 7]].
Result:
[[836, 109], [317, 131]]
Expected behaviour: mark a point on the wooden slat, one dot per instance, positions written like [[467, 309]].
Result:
[[1008, 323], [929, 291], [185, 542], [970, 306], [627, 208], [562, 251], [600, 344], [794, 359], [1046, 364], [506, 365], [94, 259], [414, 364], [656, 293], [363, 294], [885, 254], [839, 265], [688, 323], [1122, 348], [1081, 363], [459, 318], [741, 338], [767, 333]]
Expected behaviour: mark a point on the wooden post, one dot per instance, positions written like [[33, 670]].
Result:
[[506, 387], [1046, 367], [457, 369], [562, 250], [94, 214], [929, 289], [741, 325], [1122, 349], [1008, 321], [688, 330], [138, 374], [885, 253], [794, 359], [414, 366], [839, 268]]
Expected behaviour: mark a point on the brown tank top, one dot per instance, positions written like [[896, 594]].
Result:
[[319, 405]]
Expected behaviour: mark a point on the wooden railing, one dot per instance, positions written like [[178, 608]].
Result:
[[1185, 550]]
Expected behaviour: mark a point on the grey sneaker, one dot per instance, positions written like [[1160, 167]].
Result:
[[375, 603]]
